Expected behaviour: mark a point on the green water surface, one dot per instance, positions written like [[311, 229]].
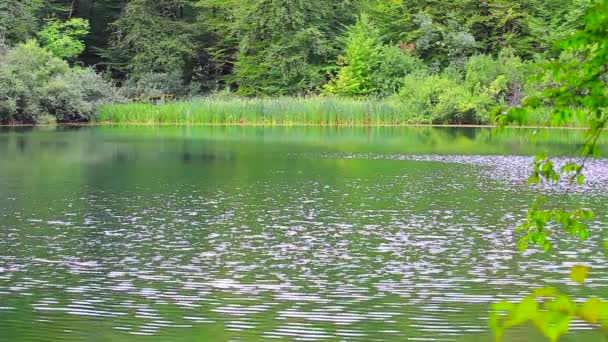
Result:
[[262, 234]]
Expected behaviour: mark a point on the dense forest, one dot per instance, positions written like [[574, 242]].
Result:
[[451, 61]]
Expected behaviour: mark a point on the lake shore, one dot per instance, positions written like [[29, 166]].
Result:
[[302, 111], [90, 124]]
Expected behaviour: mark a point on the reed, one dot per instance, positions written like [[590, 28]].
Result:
[[263, 111], [323, 111]]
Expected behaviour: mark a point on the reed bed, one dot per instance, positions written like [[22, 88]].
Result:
[[322, 111], [263, 111]]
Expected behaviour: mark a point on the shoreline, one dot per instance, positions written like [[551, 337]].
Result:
[[265, 125]]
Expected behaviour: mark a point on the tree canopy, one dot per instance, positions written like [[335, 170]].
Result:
[[286, 47]]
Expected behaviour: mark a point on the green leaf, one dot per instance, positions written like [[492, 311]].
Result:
[[546, 292], [591, 310], [563, 304], [523, 312], [532, 102], [586, 214], [579, 273], [552, 324], [503, 306]]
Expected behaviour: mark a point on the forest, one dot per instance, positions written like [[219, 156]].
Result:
[[431, 61]]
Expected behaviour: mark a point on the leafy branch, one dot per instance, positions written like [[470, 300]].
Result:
[[550, 311], [579, 88]]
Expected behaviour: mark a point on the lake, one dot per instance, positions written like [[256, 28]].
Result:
[[254, 234]]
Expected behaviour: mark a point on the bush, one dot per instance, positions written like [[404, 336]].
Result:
[[34, 83], [156, 85], [503, 78], [452, 98], [439, 99], [394, 65], [77, 95]]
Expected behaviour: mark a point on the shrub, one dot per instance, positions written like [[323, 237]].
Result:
[[153, 85], [47, 120], [34, 83], [439, 99], [452, 98], [77, 95], [503, 78], [395, 63]]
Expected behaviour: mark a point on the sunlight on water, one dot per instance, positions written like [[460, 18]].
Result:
[[296, 240]]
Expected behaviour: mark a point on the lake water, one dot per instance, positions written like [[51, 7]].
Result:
[[255, 234]]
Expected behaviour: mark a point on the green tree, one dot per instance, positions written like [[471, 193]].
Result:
[[64, 39], [152, 36], [394, 19], [36, 85], [218, 45], [18, 20], [552, 21], [500, 24], [100, 14], [368, 67], [361, 59], [285, 46]]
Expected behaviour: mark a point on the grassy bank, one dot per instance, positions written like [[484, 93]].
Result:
[[263, 111], [328, 111]]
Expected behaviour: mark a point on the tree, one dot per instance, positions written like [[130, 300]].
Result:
[[64, 39], [368, 67], [152, 36], [18, 20], [100, 14], [500, 24], [285, 46], [394, 19], [218, 45], [552, 21], [361, 59]]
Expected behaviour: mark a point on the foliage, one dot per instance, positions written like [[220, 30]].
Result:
[[362, 57], [64, 39], [34, 84], [367, 66], [501, 24], [579, 88], [560, 18], [442, 46], [152, 36], [285, 46], [449, 98], [553, 316], [157, 85], [394, 65], [18, 20]]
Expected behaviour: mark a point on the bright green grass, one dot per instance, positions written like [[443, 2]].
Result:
[[263, 111], [327, 111]]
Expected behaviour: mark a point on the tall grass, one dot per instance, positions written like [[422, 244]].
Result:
[[263, 111], [326, 111]]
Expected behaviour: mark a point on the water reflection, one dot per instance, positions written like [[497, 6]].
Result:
[[260, 238]]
